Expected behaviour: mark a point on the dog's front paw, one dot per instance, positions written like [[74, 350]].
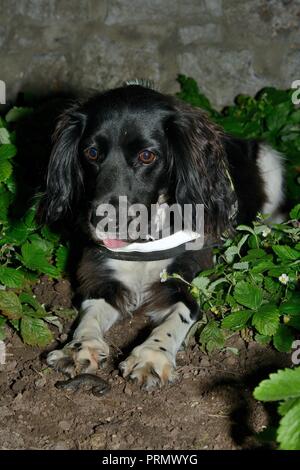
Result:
[[149, 367], [79, 356]]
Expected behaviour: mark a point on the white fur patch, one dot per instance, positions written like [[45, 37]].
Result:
[[271, 170], [137, 276]]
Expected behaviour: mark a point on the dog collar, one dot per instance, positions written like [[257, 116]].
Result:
[[164, 248]]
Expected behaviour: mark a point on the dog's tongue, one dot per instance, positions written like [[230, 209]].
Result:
[[114, 243]]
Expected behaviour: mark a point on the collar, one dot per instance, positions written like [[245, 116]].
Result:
[[164, 248]]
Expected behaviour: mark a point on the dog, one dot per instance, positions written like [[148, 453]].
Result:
[[136, 142]]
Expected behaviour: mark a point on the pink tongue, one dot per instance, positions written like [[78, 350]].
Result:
[[114, 243]]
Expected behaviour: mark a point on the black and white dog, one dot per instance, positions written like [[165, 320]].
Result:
[[134, 141]]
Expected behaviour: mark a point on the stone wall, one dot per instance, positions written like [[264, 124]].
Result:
[[229, 46]]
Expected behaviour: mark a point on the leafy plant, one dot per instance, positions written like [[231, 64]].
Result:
[[284, 386], [253, 286], [270, 116], [26, 250]]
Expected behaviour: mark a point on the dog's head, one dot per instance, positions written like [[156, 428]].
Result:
[[136, 142]]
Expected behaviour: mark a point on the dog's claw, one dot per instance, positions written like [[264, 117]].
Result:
[[77, 357], [148, 367]]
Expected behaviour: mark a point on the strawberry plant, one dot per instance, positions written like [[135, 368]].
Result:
[[270, 116], [253, 287], [27, 250], [284, 387]]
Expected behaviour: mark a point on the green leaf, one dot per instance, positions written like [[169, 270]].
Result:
[[7, 151], [65, 312], [282, 269], [241, 266], [277, 116], [5, 200], [248, 295], [190, 92], [262, 266], [44, 245], [201, 283], [2, 328], [3, 122], [237, 320], [29, 299], [215, 283], [283, 339], [5, 170], [293, 319], [262, 339], [266, 319], [17, 113], [270, 285], [30, 218], [245, 228], [17, 233], [4, 136], [11, 184], [35, 332], [287, 405], [15, 324], [254, 253], [295, 117], [257, 279], [230, 253], [35, 258], [286, 252], [292, 305], [295, 212], [49, 235], [273, 96], [242, 242], [211, 336], [10, 305], [10, 277], [288, 434], [282, 385], [62, 256]]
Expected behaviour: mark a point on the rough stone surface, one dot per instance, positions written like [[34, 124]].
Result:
[[229, 47]]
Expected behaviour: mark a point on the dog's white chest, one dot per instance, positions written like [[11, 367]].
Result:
[[137, 276]]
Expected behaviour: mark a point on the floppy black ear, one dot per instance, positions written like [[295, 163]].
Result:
[[64, 177], [200, 166]]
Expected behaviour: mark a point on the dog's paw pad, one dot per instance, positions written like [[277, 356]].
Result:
[[79, 357], [148, 367]]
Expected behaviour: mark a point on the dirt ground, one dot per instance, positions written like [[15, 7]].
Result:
[[210, 406]]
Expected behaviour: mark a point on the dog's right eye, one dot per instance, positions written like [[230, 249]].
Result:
[[91, 153]]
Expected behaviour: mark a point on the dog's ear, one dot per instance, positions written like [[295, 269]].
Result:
[[64, 177], [200, 166]]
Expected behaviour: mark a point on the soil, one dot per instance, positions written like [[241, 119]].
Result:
[[209, 407]]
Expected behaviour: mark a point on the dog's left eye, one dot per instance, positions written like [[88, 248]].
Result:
[[91, 153], [146, 157]]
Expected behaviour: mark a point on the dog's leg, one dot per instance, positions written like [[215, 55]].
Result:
[[153, 362], [87, 349]]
